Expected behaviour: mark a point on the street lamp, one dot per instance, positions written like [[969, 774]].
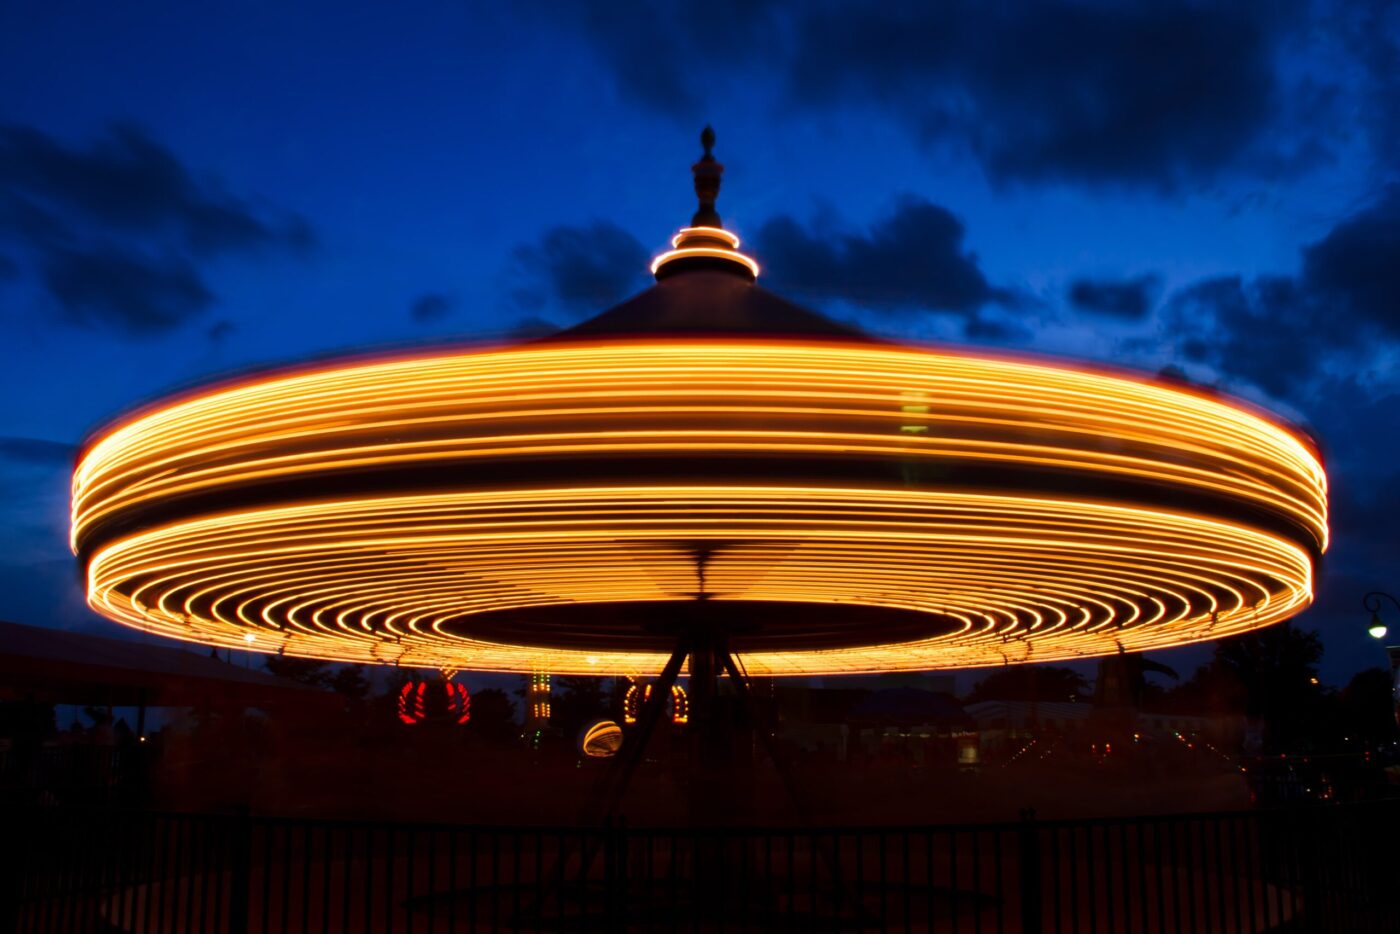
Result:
[[1372, 602], [1377, 629]]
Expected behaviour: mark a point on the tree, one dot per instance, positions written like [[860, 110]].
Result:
[[302, 670], [1271, 675], [1275, 665], [1210, 690], [493, 715], [1030, 683], [579, 701], [349, 681], [1368, 708]]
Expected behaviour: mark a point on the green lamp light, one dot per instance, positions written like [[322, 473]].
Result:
[[1377, 628]]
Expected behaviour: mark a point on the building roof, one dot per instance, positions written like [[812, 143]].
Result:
[[57, 666]]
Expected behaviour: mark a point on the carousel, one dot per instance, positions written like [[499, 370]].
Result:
[[705, 479]]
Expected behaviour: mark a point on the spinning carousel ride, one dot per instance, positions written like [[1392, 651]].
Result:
[[705, 477]]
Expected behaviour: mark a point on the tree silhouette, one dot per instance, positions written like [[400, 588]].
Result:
[[1269, 675], [1368, 707], [1030, 683], [347, 680], [579, 701], [1276, 671], [493, 716], [301, 670]]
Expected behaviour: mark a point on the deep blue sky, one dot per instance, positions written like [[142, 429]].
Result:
[[191, 189]]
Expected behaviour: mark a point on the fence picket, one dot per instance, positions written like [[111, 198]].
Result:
[[1247, 871]]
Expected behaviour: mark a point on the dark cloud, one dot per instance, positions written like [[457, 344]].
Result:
[[115, 231], [126, 292], [1145, 93], [219, 331], [580, 268], [1129, 299], [125, 181], [1281, 333], [912, 260], [1260, 331], [9, 269], [622, 34], [37, 451], [28, 225], [1370, 33], [430, 306], [1356, 267], [667, 56], [1087, 91]]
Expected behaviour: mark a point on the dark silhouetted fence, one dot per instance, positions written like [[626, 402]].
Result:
[[1333, 868]]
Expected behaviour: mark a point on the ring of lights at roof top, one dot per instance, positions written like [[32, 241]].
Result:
[[842, 505]]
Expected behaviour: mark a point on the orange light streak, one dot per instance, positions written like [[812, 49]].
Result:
[[714, 252], [710, 242], [396, 576]]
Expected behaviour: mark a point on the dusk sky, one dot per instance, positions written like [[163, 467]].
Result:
[[191, 190]]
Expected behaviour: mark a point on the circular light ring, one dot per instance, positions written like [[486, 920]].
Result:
[[720, 253], [726, 237], [703, 246], [647, 410], [401, 580], [173, 509]]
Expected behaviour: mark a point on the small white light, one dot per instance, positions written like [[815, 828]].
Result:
[[249, 638], [1377, 631], [592, 659]]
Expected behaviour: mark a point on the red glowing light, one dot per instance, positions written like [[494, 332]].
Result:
[[413, 705]]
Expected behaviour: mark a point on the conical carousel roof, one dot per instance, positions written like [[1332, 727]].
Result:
[[710, 302]]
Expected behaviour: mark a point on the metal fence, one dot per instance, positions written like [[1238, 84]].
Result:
[[87, 772], [1329, 869]]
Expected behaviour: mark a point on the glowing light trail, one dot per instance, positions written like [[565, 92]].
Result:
[[376, 511]]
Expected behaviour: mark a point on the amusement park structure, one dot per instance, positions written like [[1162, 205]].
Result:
[[704, 478]]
